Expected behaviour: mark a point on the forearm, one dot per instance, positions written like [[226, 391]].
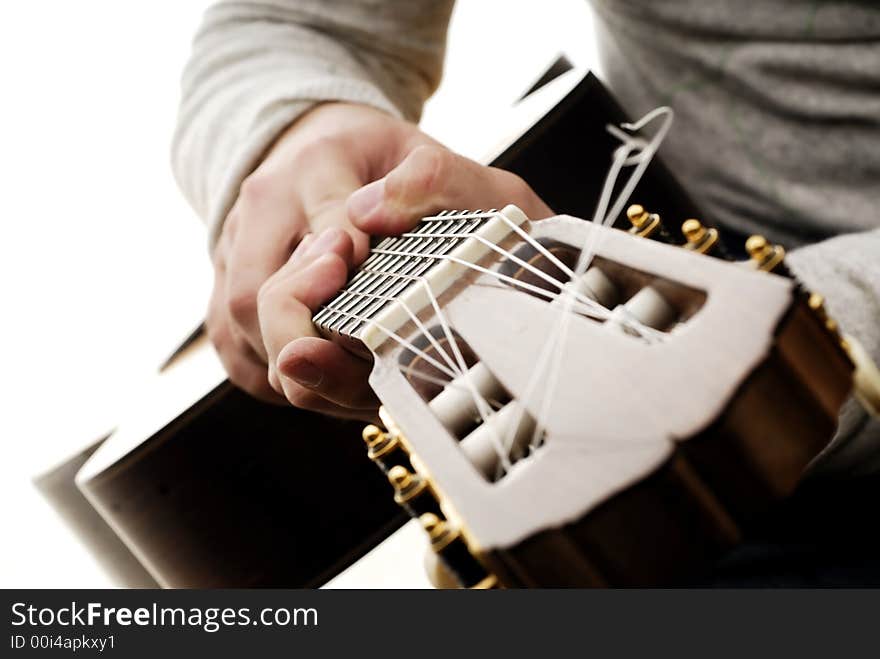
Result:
[[257, 66]]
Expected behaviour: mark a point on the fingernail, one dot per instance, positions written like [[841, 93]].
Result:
[[305, 373], [324, 241], [363, 202]]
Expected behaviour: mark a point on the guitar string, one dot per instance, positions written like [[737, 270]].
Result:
[[623, 157], [483, 407], [633, 150], [524, 264], [522, 234], [480, 404], [485, 410], [415, 319], [599, 312], [426, 377], [537, 291], [552, 348], [479, 401], [594, 309]]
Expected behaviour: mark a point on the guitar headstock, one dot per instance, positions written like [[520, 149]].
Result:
[[545, 380]]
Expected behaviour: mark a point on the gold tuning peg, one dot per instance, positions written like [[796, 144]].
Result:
[[764, 255], [644, 224], [408, 487], [372, 435], [384, 448], [439, 532], [699, 238], [450, 547]]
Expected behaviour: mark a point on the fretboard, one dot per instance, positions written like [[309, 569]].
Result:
[[394, 265]]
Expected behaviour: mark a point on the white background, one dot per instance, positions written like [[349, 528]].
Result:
[[103, 267]]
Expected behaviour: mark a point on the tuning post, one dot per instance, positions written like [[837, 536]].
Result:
[[449, 546], [700, 239], [384, 448], [766, 256], [644, 224], [411, 491]]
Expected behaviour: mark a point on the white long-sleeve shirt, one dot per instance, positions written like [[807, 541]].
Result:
[[777, 106]]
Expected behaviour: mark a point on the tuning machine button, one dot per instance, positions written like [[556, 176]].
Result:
[[646, 225], [450, 547], [412, 492], [699, 238], [766, 256], [384, 448]]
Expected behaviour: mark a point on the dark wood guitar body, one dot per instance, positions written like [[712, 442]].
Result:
[[237, 493]]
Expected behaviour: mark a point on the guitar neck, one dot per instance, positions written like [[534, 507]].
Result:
[[394, 266]]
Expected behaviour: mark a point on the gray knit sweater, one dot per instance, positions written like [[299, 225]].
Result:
[[777, 105]]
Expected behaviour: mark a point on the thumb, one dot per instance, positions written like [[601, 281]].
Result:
[[430, 179]]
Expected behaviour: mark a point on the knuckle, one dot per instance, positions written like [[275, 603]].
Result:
[[424, 171], [238, 371], [512, 183], [266, 292], [216, 331], [216, 336], [242, 304], [255, 188], [317, 147]]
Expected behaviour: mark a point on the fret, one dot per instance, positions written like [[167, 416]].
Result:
[[393, 286], [326, 318], [385, 284], [371, 282], [393, 266]]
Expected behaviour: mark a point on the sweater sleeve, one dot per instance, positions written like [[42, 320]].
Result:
[[257, 65], [846, 271]]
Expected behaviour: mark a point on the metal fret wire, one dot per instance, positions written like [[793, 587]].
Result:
[[371, 283], [598, 311], [589, 302], [360, 279], [364, 281], [434, 246], [418, 323]]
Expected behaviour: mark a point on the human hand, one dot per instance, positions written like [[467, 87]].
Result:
[[314, 373], [300, 188]]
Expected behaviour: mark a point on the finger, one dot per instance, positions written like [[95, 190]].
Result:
[[283, 283], [336, 215], [330, 241], [328, 370], [269, 224], [287, 300], [308, 400], [431, 179], [241, 364], [328, 179]]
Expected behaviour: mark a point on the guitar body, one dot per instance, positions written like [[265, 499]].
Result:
[[220, 490]]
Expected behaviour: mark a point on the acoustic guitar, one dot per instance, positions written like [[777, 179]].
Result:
[[564, 402]]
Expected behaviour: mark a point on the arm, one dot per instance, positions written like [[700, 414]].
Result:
[[272, 168], [256, 66]]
